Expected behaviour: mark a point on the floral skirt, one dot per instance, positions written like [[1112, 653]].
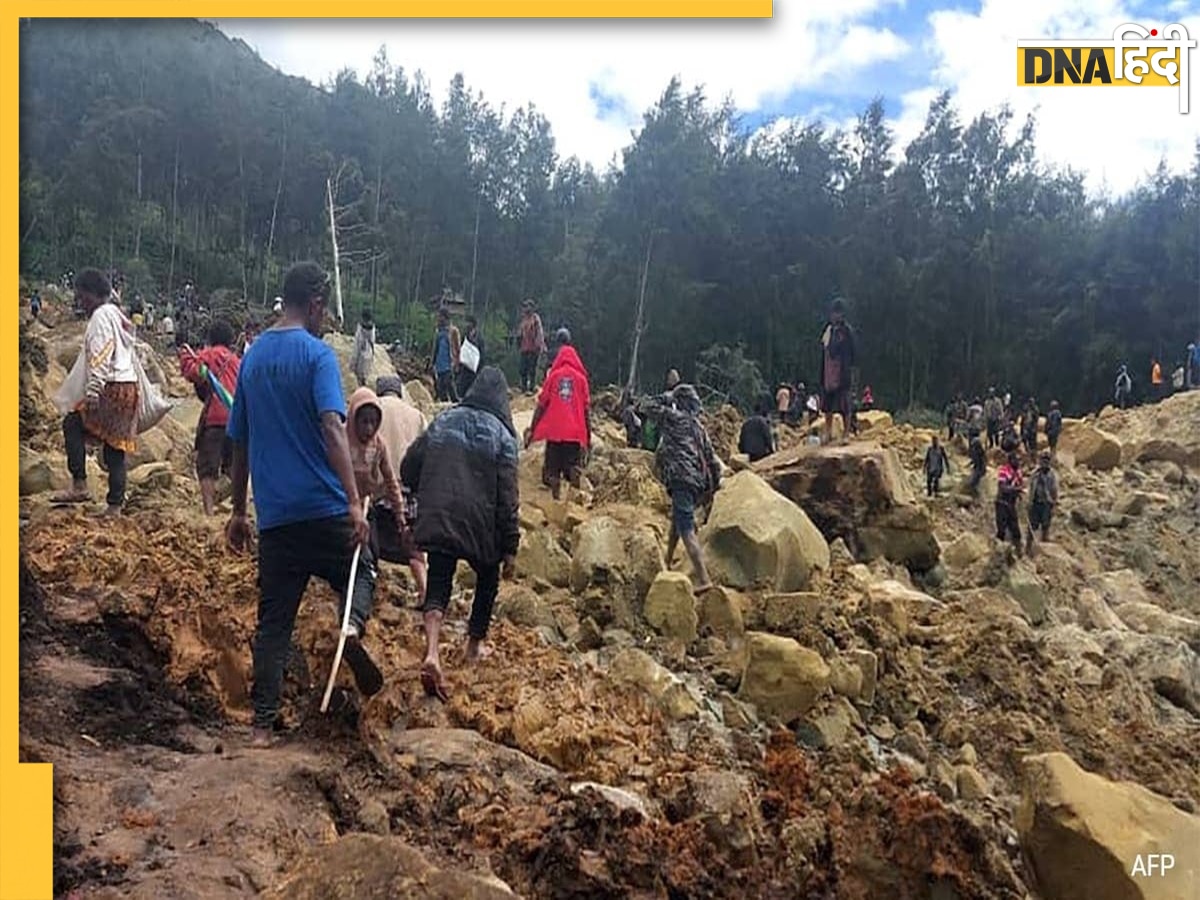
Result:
[[114, 420]]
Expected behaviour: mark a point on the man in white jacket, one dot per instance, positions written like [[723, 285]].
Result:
[[108, 409]]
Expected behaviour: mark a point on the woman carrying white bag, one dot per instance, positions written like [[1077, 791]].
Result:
[[107, 397]]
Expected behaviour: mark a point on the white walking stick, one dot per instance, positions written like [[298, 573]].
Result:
[[345, 632]]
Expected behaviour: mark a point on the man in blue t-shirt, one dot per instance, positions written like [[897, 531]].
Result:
[[287, 430]]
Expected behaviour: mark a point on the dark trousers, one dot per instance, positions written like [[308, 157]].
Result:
[[1008, 526], [466, 378], [993, 433], [446, 392], [976, 477], [932, 483], [288, 556], [75, 437], [529, 363], [441, 582]]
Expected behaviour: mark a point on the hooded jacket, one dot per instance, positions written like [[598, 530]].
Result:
[[685, 456], [564, 401], [374, 472], [464, 471]]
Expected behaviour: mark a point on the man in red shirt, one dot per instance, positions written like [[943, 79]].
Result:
[[214, 450], [533, 344], [563, 416]]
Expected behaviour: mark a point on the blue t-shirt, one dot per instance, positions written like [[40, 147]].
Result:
[[288, 378], [441, 355]]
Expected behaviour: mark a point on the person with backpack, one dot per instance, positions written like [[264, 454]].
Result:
[[1043, 498], [444, 359], [563, 417], [936, 464], [688, 467], [532, 343], [214, 449], [993, 413], [838, 347], [1054, 426], [978, 458], [1123, 390], [1010, 485], [464, 471]]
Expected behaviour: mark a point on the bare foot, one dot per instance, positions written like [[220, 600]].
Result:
[[477, 650], [261, 738], [432, 679]]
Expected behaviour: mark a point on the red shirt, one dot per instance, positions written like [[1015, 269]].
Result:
[[223, 363], [564, 401]]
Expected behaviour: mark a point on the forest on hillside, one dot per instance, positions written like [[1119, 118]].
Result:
[[168, 150]]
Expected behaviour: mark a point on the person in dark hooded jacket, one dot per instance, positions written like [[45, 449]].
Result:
[[464, 471], [689, 469]]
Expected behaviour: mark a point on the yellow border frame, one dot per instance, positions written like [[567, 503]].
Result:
[[26, 791]]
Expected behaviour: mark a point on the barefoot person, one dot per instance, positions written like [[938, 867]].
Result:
[[288, 435], [402, 425], [464, 469], [107, 411], [375, 475], [563, 417], [214, 450]]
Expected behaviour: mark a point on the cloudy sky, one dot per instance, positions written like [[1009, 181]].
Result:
[[822, 60]]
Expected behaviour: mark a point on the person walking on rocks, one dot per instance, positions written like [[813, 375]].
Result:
[[533, 345], [978, 457], [464, 470], [1054, 426], [1009, 488], [214, 450], [563, 417], [444, 361], [936, 464], [993, 411], [364, 347], [287, 427], [1043, 498], [837, 359], [106, 404], [689, 468], [402, 424]]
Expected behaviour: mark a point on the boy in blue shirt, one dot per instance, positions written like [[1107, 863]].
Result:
[[287, 430]]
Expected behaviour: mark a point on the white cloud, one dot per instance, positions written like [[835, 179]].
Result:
[[554, 64], [1115, 135]]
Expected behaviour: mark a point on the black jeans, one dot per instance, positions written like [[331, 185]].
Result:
[[441, 582], [75, 437], [466, 378], [993, 433], [288, 556], [529, 362], [444, 387], [932, 483], [1008, 526]]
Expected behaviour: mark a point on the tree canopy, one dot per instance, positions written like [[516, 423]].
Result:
[[169, 150]]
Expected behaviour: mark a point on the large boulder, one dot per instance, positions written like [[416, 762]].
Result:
[[541, 557], [616, 565], [900, 605], [662, 687], [755, 536], [343, 346], [861, 494], [36, 474], [782, 678], [1022, 582], [363, 865], [1165, 663], [1146, 618], [1090, 446], [626, 475], [874, 420], [1085, 835], [670, 607], [416, 393], [1162, 449]]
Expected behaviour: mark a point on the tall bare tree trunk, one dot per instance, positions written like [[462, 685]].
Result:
[[274, 214], [641, 311], [337, 277], [475, 248]]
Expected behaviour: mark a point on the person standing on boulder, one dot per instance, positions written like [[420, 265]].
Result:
[[364, 347], [288, 435], [214, 450], [1054, 426], [936, 464], [837, 358], [756, 439], [464, 470], [533, 344], [563, 417], [1009, 487], [690, 470], [106, 406], [444, 360], [1043, 497]]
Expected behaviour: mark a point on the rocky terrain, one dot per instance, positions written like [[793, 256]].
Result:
[[878, 700]]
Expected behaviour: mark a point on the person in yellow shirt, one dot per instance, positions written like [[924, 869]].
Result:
[[1156, 380]]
